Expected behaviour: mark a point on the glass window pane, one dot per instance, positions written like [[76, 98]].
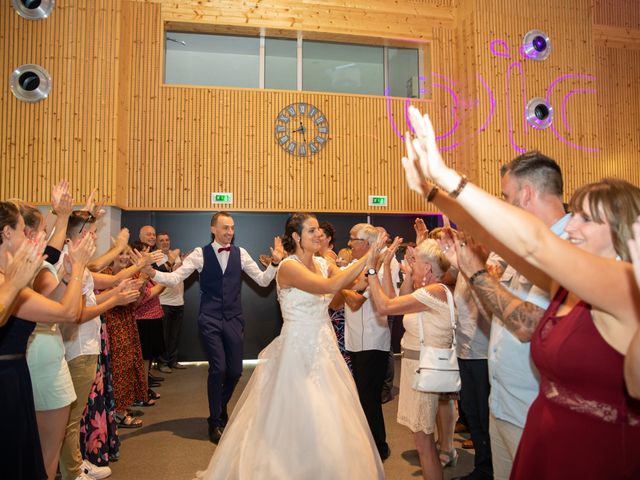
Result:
[[212, 60], [403, 72], [281, 57], [342, 68]]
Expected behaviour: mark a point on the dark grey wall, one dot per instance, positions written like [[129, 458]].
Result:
[[254, 232]]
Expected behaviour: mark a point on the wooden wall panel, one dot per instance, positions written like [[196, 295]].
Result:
[[111, 122], [72, 134]]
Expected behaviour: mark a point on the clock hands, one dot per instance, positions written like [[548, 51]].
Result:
[[302, 129]]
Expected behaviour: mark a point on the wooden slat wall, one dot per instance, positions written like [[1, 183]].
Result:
[[186, 142], [72, 134], [110, 121]]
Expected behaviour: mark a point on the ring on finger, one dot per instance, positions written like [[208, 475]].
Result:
[[463, 244]]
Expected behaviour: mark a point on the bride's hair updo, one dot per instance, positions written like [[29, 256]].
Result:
[[294, 224]]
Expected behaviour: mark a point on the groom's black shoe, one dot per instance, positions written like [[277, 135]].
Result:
[[214, 434]]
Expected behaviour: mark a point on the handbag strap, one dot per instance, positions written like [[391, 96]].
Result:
[[452, 317]]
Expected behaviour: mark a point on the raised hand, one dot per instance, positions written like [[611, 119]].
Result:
[[21, 267], [61, 199], [122, 240], [471, 255], [422, 232], [407, 263], [390, 252], [277, 251], [95, 209], [81, 251], [128, 291], [376, 248], [423, 162], [265, 260], [173, 255], [447, 244]]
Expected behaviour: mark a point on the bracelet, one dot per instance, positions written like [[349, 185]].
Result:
[[473, 277], [432, 193], [275, 264], [461, 185]]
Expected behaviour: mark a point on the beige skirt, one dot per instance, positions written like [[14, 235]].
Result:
[[416, 410]]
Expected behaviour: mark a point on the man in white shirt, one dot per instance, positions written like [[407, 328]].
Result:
[[368, 340], [172, 301], [220, 323]]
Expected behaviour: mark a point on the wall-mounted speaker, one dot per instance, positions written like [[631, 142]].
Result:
[[536, 45], [30, 83], [33, 9], [539, 113]]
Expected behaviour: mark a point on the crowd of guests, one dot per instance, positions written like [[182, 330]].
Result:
[[75, 332], [539, 299]]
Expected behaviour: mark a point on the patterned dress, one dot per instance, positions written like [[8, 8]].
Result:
[[127, 366], [337, 321], [99, 442]]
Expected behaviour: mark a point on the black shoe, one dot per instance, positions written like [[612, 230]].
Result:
[[387, 397], [214, 434], [154, 384], [156, 378], [385, 452]]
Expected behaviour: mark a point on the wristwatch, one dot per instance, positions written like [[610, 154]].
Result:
[[370, 271]]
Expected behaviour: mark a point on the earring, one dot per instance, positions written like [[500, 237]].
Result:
[[424, 280]]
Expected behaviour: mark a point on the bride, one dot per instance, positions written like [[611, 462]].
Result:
[[299, 416]]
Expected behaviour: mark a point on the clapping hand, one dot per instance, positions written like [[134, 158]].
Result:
[[122, 239], [376, 248], [265, 260], [81, 251], [277, 251], [95, 209], [173, 255], [422, 232], [61, 199], [447, 244], [21, 267], [471, 256], [407, 263], [390, 252], [128, 291]]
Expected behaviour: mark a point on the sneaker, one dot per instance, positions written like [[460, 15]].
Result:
[[83, 476], [94, 471], [178, 366], [164, 369]]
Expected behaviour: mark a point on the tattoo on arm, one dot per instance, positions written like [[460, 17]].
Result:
[[520, 317]]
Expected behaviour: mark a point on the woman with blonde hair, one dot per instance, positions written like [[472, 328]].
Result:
[[431, 304]]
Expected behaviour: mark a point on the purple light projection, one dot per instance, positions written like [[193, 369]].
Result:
[[498, 48]]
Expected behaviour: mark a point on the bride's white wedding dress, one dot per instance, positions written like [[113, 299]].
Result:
[[299, 417]]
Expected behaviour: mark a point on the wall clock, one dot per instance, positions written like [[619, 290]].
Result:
[[301, 129]]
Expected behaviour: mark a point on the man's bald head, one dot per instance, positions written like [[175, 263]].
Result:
[[148, 235]]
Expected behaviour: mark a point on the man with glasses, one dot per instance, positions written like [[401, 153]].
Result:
[[368, 339]]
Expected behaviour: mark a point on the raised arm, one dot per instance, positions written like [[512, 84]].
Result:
[[37, 308], [632, 358], [194, 261], [250, 267], [590, 277], [62, 206], [119, 244]]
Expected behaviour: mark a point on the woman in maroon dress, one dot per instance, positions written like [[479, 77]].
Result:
[[583, 423]]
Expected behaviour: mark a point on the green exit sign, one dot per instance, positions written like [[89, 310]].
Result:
[[222, 197], [378, 200]]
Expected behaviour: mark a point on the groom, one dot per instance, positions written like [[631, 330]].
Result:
[[220, 323]]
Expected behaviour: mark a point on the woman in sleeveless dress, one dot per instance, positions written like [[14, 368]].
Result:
[[583, 424], [422, 299], [299, 416]]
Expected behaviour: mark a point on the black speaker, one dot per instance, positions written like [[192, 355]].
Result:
[[539, 113], [30, 83]]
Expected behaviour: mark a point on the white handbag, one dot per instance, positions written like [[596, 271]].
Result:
[[438, 370]]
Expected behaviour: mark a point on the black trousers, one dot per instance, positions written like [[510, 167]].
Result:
[[369, 370], [172, 323], [474, 396]]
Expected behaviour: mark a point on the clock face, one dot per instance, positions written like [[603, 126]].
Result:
[[301, 129]]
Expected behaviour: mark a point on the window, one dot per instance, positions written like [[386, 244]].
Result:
[[342, 68], [212, 60], [277, 63]]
